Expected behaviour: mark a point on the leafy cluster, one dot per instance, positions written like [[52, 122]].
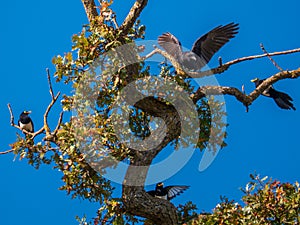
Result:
[[265, 203]]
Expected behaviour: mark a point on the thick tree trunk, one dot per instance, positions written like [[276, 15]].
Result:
[[138, 202], [135, 199]]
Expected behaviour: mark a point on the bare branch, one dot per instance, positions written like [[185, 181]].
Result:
[[46, 126], [115, 22], [220, 90], [173, 61], [271, 59], [6, 152], [49, 82], [90, 9], [54, 99], [240, 95], [12, 123], [217, 70], [273, 79], [225, 66], [133, 14], [58, 123]]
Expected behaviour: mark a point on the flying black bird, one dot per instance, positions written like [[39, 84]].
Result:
[[25, 122], [167, 192], [203, 49], [283, 100]]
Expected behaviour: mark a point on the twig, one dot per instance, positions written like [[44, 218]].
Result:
[[244, 92], [133, 14], [271, 59], [151, 53], [58, 124], [54, 99], [6, 152], [50, 84], [220, 61], [12, 123], [247, 58], [46, 126]]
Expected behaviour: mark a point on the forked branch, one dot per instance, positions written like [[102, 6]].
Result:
[[46, 127], [240, 95]]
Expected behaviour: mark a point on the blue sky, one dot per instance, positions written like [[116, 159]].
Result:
[[264, 140]]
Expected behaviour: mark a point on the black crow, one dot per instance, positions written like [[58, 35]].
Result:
[[283, 100]]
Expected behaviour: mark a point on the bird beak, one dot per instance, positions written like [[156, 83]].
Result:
[[161, 184], [255, 79], [27, 112]]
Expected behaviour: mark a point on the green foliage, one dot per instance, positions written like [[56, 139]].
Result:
[[34, 153], [265, 203], [186, 212]]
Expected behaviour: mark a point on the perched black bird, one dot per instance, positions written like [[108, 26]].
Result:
[[168, 192], [203, 49], [283, 100], [25, 122]]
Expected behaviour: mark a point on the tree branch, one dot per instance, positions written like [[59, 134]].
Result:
[[135, 199], [173, 61], [217, 70], [49, 135], [6, 152], [226, 66], [90, 9], [239, 95], [133, 14], [49, 82], [271, 59], [54, 99], [58, 123]]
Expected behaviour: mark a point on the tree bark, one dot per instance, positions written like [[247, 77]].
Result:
[[135, 199], [90, 9], [133, 14]]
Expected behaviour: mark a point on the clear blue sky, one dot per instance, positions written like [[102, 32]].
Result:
[[264, 140]]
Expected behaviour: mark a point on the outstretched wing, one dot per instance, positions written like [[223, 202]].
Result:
[[207, 45], [170, 44], [173, 191]]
